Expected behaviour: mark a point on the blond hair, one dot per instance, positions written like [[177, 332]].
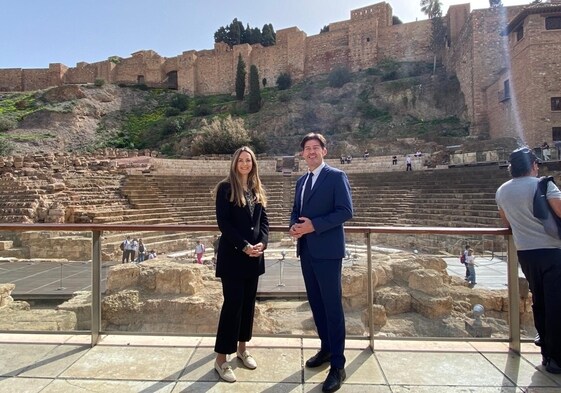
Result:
[[237, 195]]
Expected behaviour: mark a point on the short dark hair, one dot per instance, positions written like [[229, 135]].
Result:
[[521, 161], [313, 135]]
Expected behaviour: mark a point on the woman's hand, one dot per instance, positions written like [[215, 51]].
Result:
[[254, 250]]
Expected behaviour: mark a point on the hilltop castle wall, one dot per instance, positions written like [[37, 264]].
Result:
[[357, 43]]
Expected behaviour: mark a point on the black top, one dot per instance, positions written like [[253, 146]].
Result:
[[239, 227]]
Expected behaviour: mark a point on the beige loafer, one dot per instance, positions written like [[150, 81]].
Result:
[[225, 371], [247, 360]]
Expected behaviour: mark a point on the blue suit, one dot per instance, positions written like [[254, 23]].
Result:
[[328, 206]]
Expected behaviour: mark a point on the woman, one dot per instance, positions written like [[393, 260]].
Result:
[[241, 217], [470, 264]]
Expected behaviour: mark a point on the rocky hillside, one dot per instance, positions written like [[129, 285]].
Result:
[[393, 108]]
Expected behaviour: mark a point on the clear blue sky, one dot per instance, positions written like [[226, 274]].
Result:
[[38, 32]]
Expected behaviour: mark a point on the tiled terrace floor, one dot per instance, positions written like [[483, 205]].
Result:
[[67, 363]]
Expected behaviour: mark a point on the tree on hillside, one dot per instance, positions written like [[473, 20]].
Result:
[[240, 78], [433, 9], [235, 33], [269, 36], [495, 3], [254, 97], [324, 29]]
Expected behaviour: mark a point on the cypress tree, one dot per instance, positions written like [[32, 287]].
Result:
[[240, 78], [254, 98]]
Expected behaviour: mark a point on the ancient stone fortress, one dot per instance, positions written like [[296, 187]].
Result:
[[505, 58]]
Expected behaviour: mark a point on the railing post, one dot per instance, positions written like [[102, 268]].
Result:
[[370, 295], [513, 297], [96, 286]]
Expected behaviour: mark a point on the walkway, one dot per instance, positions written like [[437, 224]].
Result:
[[67, 364]]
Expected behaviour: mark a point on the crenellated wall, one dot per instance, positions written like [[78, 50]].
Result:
[[476, 52], [351, 43]]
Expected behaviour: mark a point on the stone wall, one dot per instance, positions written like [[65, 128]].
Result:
[[525, 112]]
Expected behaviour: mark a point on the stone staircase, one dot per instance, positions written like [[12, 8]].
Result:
[[383, 195], [18, 201]]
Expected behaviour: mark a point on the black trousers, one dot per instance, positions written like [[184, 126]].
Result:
[[542, 268], [322, 278], [238, 311]]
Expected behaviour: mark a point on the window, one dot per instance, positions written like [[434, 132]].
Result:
[[553, 23], [519, 32], [140, 79], [556, 103], [505, 93], [556, 133]]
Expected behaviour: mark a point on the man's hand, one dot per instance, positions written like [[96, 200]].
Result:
[[304, 227]]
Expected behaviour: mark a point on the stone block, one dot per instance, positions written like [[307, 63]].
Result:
[[6, 244], [426, 280], [476, 328]]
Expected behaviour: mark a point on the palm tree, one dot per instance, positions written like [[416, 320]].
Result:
[[431, 8]]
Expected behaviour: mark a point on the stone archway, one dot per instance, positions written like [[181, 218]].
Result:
[[171, 80]]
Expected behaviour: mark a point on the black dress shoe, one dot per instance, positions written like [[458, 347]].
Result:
[[334, 380], [318, 359]]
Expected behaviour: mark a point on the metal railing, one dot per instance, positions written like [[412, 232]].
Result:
[[98, 229]]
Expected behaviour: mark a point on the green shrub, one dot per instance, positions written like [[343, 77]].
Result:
[[284, 81], [6, 147], [7, 123], [99, 82], [173, 126], [339, 77], [389, 75], [220, 136], [170, 112], [284, 97], [203, 110], [180, 101]]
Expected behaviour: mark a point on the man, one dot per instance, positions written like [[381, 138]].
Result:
[[126, 248], [322, 203], [539, 254]]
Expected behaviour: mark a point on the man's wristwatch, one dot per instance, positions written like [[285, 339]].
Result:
[[247, 247]]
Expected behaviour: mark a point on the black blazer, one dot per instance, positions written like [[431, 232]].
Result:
[[239, 228]]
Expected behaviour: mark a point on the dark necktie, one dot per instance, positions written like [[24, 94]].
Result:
[[308, 188]]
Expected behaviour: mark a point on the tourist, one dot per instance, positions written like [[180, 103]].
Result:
[[215, 244], [539, 253], [241, 217], [322, 203], [408, 162], [470, 266], [199, 252], [152, 254], [126, 247], [546, 154], [141, 251], [366, 154], [394, 160], [133, 248], [465, 254]]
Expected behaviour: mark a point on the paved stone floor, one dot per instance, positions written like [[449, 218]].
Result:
[[67, 363]]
